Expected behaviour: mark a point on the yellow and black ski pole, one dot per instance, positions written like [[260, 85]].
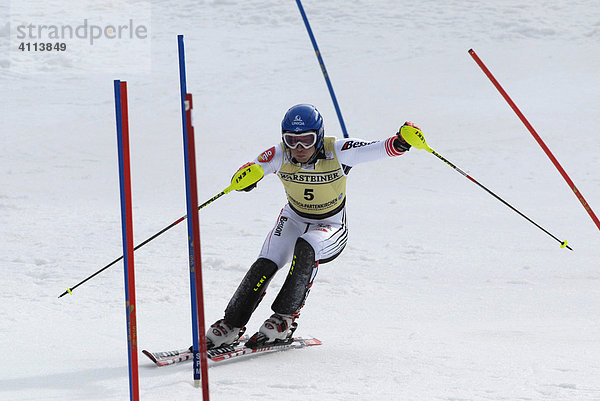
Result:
[[416, 139], [248, 175]]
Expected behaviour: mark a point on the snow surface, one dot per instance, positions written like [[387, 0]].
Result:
[[443, 293]]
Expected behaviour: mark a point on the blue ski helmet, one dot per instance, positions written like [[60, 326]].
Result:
[[302, 118]]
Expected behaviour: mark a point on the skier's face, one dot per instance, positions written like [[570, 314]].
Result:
[[301, 154]]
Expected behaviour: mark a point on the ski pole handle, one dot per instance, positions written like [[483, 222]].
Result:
[[414, 137]]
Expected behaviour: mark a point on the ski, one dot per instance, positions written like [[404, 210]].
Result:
[[229, 352]]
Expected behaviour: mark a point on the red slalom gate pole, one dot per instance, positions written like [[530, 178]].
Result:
[[539, 140], [127, 231], [197, 250]]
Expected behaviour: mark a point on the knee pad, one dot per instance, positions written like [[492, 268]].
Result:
[[250, 292], [297, 285]]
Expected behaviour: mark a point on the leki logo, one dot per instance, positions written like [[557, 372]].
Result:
[[298, 120]]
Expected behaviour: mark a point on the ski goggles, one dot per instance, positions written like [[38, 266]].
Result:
[[307, 139]]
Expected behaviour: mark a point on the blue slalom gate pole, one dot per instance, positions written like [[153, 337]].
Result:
[[323, 69], [127, 233], [200, 365], [183, 88]]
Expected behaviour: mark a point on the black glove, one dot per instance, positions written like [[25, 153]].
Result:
[[248, 188]]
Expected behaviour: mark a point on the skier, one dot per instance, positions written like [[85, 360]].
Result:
[[311, 228]]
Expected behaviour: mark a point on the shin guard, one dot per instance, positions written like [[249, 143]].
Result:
[[302, 272], [250, 292]]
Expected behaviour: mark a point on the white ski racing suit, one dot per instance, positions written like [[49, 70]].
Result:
[[316, 196], [311, 228]]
